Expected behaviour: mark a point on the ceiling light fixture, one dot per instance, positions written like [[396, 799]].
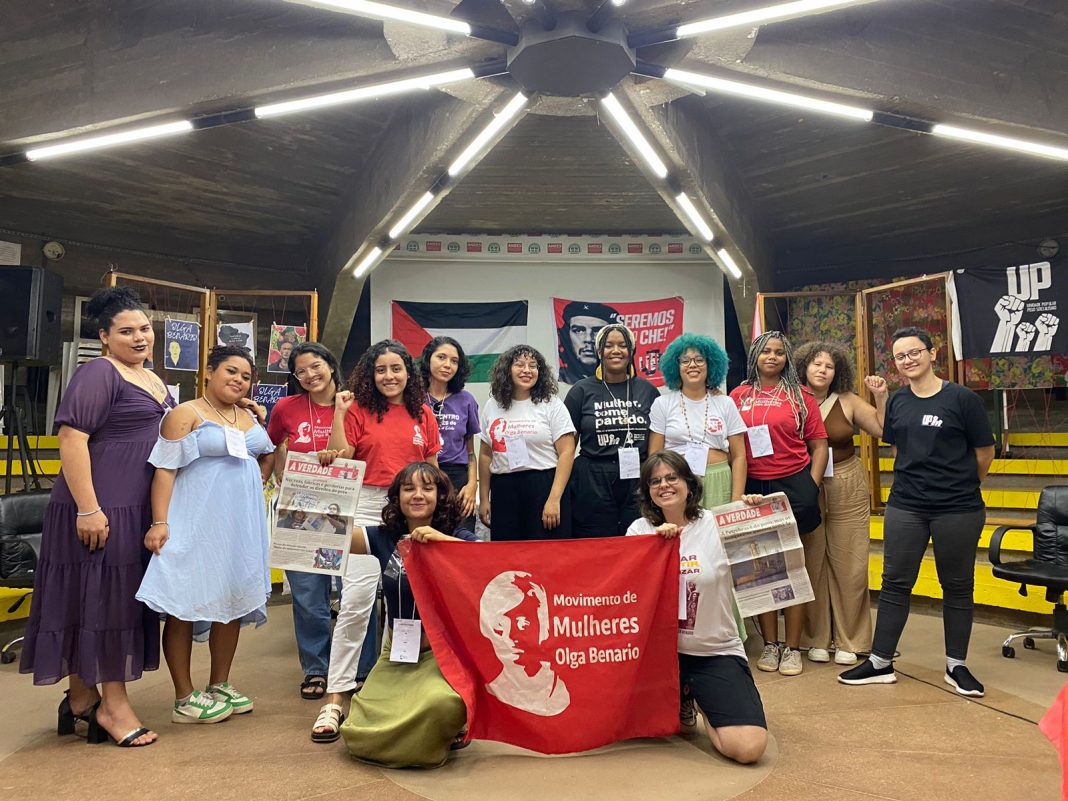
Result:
[[365, 8], [728, 262], [367, 262], [108, 140], [759, 15], [769, 95], [487, 134], [405, 222], [1006, 142], [695, 217], [641, 144]]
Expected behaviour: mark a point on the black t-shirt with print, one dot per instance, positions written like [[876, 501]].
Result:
[[603, 414], [936, 438]]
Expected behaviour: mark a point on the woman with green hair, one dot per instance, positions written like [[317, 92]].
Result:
[[699, 422]]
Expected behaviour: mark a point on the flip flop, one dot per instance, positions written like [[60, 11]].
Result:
[[313, 688]]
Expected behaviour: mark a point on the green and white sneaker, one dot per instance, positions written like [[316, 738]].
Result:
[[229, 694], [200, 708]]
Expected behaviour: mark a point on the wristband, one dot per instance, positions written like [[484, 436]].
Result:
[[160, 523], [89, 514]]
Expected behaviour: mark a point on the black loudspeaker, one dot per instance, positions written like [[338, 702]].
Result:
[[31, 299]]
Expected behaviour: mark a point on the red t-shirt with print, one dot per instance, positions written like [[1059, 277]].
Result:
[[772, 408], [305, 424], [392, 444]]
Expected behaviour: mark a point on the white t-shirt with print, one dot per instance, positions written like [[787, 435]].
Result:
[[540, 424], [709, 628], [710, 425]]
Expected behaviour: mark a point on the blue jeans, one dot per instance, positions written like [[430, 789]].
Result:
[[312, 624]]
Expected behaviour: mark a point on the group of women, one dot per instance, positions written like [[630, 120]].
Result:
[[129, 529]]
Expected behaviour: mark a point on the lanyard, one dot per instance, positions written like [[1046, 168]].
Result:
[[626, 411], [437, 406]]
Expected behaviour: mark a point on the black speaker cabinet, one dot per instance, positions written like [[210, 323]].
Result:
[[31, 299]]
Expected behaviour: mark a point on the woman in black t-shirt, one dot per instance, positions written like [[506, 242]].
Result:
[[943, 447], [610, 410]]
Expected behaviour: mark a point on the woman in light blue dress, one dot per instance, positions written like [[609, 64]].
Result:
[[209, 565]]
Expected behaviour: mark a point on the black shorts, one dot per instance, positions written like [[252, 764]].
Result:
[[802, 492], [723, 688]]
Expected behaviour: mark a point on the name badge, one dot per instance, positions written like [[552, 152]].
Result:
[[235, 443], [684, 613], [760, 441], [696, 454], [406, 637], [518, 455], [630, 465], [829, 472]]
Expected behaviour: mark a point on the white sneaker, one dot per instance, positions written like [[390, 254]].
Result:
[[790, 664], [819, 655], [769, 658], [845, 657], [200, 708]]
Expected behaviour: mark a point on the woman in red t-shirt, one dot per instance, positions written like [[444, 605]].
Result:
[[381, 419], [786, 451]]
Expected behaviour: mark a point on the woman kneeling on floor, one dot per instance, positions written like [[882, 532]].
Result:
[[713, 670], [406, 714]]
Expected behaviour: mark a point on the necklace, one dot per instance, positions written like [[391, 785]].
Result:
[[686, 417], [437, 406], [135, 379], [313, 420], [629, 441], [221, 415]]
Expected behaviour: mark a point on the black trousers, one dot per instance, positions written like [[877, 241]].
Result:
[[516, 502], [602, 503], [457, 474], [802, 492]]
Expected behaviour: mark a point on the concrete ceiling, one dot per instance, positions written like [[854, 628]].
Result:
[[805, 195]]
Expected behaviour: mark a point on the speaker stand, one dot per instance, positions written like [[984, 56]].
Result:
[[13, 428]]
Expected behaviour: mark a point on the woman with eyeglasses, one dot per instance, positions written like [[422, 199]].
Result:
[[610, 410], [943, 448], [699, 422]]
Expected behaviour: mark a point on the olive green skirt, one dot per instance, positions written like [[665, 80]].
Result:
[[406, 715], [717, 485]]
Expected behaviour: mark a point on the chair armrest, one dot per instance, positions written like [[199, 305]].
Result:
[[993, 552]]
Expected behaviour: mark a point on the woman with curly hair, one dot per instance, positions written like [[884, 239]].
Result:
[[699, 422], [786, 451], [382, 420], [528, 447], [407, 714], [836, 552], [445, 369]]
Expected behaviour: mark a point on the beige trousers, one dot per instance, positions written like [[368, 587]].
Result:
[[836, 555]]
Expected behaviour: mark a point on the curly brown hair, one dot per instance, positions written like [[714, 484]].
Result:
[[845, 374], [673, 461], [501, 387], [362, 381], [446, 512]]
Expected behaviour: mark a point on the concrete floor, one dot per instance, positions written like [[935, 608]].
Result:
[[913, 741]]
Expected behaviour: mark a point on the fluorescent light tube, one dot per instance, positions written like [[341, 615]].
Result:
[[640, 143], [758, 15], [365, 93], [409, 217], [691, 211], [618, 3], [367, 262], [1006, 142], [487, 134], [768, 95], [365, 8], [108, 140], [728, 262]]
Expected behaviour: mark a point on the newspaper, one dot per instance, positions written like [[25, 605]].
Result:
[[315, 510], [765, 553]]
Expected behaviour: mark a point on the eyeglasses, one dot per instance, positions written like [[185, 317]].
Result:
[[670, 478], [909, 354], [697, 361]]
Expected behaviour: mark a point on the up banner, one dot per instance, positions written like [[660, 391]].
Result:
[[1010, 311], [555, 646], [655, 324]]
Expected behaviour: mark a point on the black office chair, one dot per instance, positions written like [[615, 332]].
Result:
[[1048, 567], [22, 517]]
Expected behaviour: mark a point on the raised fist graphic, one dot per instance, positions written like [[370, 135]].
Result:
[[1026, 332], [1047, 325], [1009, 310]]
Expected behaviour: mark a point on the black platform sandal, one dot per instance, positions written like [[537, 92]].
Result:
[[98, 734], [67, 722], [313, 688]]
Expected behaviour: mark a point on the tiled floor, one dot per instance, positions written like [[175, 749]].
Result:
[[913, 741]]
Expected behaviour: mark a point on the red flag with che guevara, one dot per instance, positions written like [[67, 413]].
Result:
[[555, 646]]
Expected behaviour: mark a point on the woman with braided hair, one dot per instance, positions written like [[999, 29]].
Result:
[[786, 451]]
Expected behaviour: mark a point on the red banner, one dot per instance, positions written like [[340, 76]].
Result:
[[655, 324], [555, 646]]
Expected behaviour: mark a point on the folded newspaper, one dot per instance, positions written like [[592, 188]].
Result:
[[313, 522], [765, 553]]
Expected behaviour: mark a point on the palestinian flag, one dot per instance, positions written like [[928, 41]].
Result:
[[484, 330]]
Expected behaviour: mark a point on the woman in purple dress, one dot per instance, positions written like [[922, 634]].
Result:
[[85, 623]]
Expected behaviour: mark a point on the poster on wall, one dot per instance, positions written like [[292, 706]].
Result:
[[181, 347], [241, 334], [655, 324], [484, 330], [283, 339], [267, 395], [1010, 311]]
